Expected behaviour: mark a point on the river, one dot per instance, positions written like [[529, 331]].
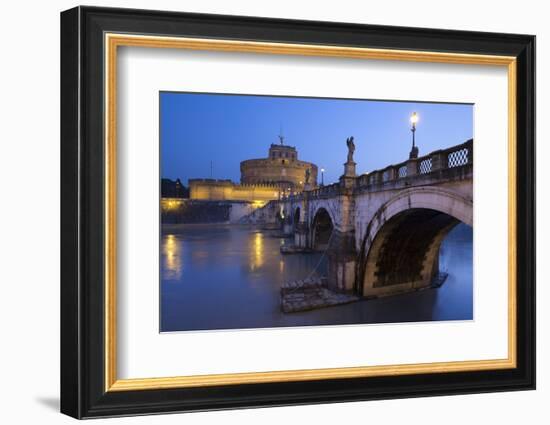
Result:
[[217, 276]]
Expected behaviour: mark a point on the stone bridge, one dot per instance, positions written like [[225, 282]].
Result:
[[382, 230]]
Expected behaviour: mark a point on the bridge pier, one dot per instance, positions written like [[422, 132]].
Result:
[[342, 260], [301, 228], [341, 252], [288, 226], [300, 235]]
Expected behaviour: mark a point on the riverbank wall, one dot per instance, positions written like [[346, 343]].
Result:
[[190, 211], [267, 215]]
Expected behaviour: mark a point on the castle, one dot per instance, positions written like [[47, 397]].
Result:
[[264, 179]]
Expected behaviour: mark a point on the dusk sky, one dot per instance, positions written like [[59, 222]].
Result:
[[226, 129]]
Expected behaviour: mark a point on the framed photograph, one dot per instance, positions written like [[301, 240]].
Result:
[[261, 212]]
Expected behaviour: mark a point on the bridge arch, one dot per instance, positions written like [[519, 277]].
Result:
[[326, 205], [321, 229], [400, 248]]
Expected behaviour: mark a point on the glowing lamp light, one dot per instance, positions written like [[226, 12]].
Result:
[[414, 150]]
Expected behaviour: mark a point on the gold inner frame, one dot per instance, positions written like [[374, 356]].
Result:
[[113, 41]]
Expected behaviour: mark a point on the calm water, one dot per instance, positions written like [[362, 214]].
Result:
[[227, 277]]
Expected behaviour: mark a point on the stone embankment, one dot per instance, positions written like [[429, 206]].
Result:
[[311, 294], [191, 211], [265, 216]]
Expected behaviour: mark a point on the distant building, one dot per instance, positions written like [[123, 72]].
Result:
[[281, 167], [281, 173], [173, 189], [226, 190]]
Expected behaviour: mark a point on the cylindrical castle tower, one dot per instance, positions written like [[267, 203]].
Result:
[[281, 167]]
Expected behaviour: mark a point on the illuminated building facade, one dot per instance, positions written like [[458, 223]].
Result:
[[264, 179]]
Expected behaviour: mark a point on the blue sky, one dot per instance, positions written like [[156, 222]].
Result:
[[226, 129]]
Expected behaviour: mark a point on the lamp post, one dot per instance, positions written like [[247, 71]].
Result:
[[414, 149], [322, 176]]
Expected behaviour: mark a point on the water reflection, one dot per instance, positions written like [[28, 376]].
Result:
[[231, 278], [257, 251], [171, 254]]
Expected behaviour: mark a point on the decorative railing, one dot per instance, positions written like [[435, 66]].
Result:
[[456, 156], [453, 157], [328, 190], [402, 171], [319, 192], [425, 166]]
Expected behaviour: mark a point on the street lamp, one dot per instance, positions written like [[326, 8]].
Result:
[[414, 150], [322, 176]]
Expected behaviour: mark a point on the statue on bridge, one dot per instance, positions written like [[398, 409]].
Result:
[[349, 166], [308, 175], [351, 148]]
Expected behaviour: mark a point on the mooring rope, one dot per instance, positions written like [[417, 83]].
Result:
[[318, 263]]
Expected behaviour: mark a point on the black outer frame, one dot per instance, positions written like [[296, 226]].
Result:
[[82, 219]]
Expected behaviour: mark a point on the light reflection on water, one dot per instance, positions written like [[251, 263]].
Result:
[[257, 251], [229, 277], [171, 254]]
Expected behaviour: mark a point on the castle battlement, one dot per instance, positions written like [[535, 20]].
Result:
[[262, 179], [281, 167], [212, 181]]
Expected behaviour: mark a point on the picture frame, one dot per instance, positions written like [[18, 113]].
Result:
[[90, 39]]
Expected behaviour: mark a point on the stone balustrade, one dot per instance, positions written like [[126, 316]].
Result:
[[456, 156]]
